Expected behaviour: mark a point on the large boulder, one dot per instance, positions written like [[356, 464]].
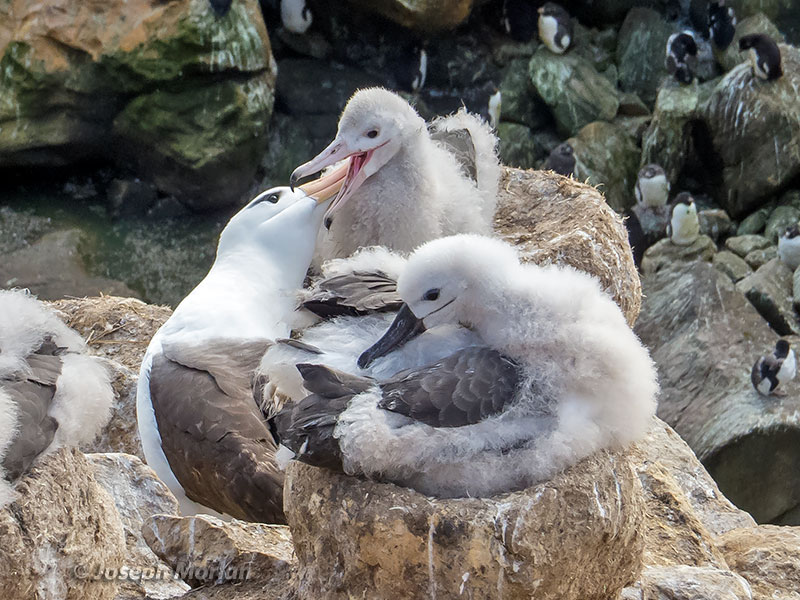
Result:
[[573, 89], [555, 219], [607, 157], [704, 337], [357, 538], [754, 129], [180, 94], [61, 534], [423, 15], [640, 52]]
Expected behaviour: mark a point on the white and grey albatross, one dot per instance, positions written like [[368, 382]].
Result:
[[559, 376], [202, 430], [51, 393], [400, 168]]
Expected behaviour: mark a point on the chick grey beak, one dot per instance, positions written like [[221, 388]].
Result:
[[405, 327]]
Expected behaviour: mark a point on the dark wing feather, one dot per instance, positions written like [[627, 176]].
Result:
[[463, 389], [459, 143], [357, 293], [212, 432], [32, 392]]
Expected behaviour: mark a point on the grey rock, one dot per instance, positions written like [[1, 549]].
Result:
[[791, 198], [128, 197], [781, 218], [20, 228], [796, 290], [421, 15], [732, 265], [665, 254], [292, 141], [705, 336], [167, 208], [597, 46], [769, 289], [518, 146], [758, 258], [654, 221], [519, 99], [606, 156], [631, 105], [754, 127], [640, 52], [684, 582], [573, 89], [745, 244], [753, 223], [716, 224]]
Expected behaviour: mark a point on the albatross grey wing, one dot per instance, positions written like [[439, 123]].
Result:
[[463, 389], [460, 144], [212, 432], [33, 394], [356, 293]]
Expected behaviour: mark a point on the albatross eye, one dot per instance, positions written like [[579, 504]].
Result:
[[431, 295], [273, 198], [372, 133]]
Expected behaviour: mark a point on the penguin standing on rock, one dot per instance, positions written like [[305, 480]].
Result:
[[765, 56], [652, 186], [555, 28], [774, 369], [721, 24], [789, 247], [684, 227], [561, 160], [681, 58]]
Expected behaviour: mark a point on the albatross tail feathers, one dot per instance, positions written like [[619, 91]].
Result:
[[8, 430]]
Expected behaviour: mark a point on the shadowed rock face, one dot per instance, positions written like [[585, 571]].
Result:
[[705, 336]]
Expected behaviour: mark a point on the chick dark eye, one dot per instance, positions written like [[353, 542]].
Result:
[[372, 133], [431, 295]]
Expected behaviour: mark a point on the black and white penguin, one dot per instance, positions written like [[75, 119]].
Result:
[[721, 24], [220, 7], [52, 394], [681, 57], [295, 15], [774, 369], [789, 247], [555, 27], [684, 226], [495, 108], [561, 160], [765, 56], [520, 19], [652, 186]]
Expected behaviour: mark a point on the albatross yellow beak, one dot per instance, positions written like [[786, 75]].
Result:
[[328, 185]]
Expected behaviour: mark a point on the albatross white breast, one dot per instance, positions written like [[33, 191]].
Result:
[[51, 393], [559, 375], [202, 430], [400, 169]]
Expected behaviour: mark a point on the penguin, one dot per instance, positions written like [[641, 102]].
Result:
[[652, 186], [561, 160], [555, 28], [295, 15], [721, 24], [411, 67], [681, 57], [495, 107], [519, 19], [684, 227], [765, 56], [772, 370], [220, 7], [789, 247]]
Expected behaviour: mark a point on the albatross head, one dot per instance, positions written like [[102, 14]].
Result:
[[374, 126], [451, 280]]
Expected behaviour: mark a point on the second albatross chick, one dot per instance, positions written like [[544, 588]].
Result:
[[398, 170], [559, 376], [202, 431]]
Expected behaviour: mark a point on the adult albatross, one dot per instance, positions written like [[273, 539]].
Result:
[[559, 376], [399, 169], [202, 430], [51, 393]]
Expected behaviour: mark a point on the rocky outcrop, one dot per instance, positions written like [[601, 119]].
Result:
[[664, 254], [704, 337], [354, 537], [61, 535], [769, 290], [607, 157], [640, 52], [138, 495], [573, 90], [555, 219], [183, 95]]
